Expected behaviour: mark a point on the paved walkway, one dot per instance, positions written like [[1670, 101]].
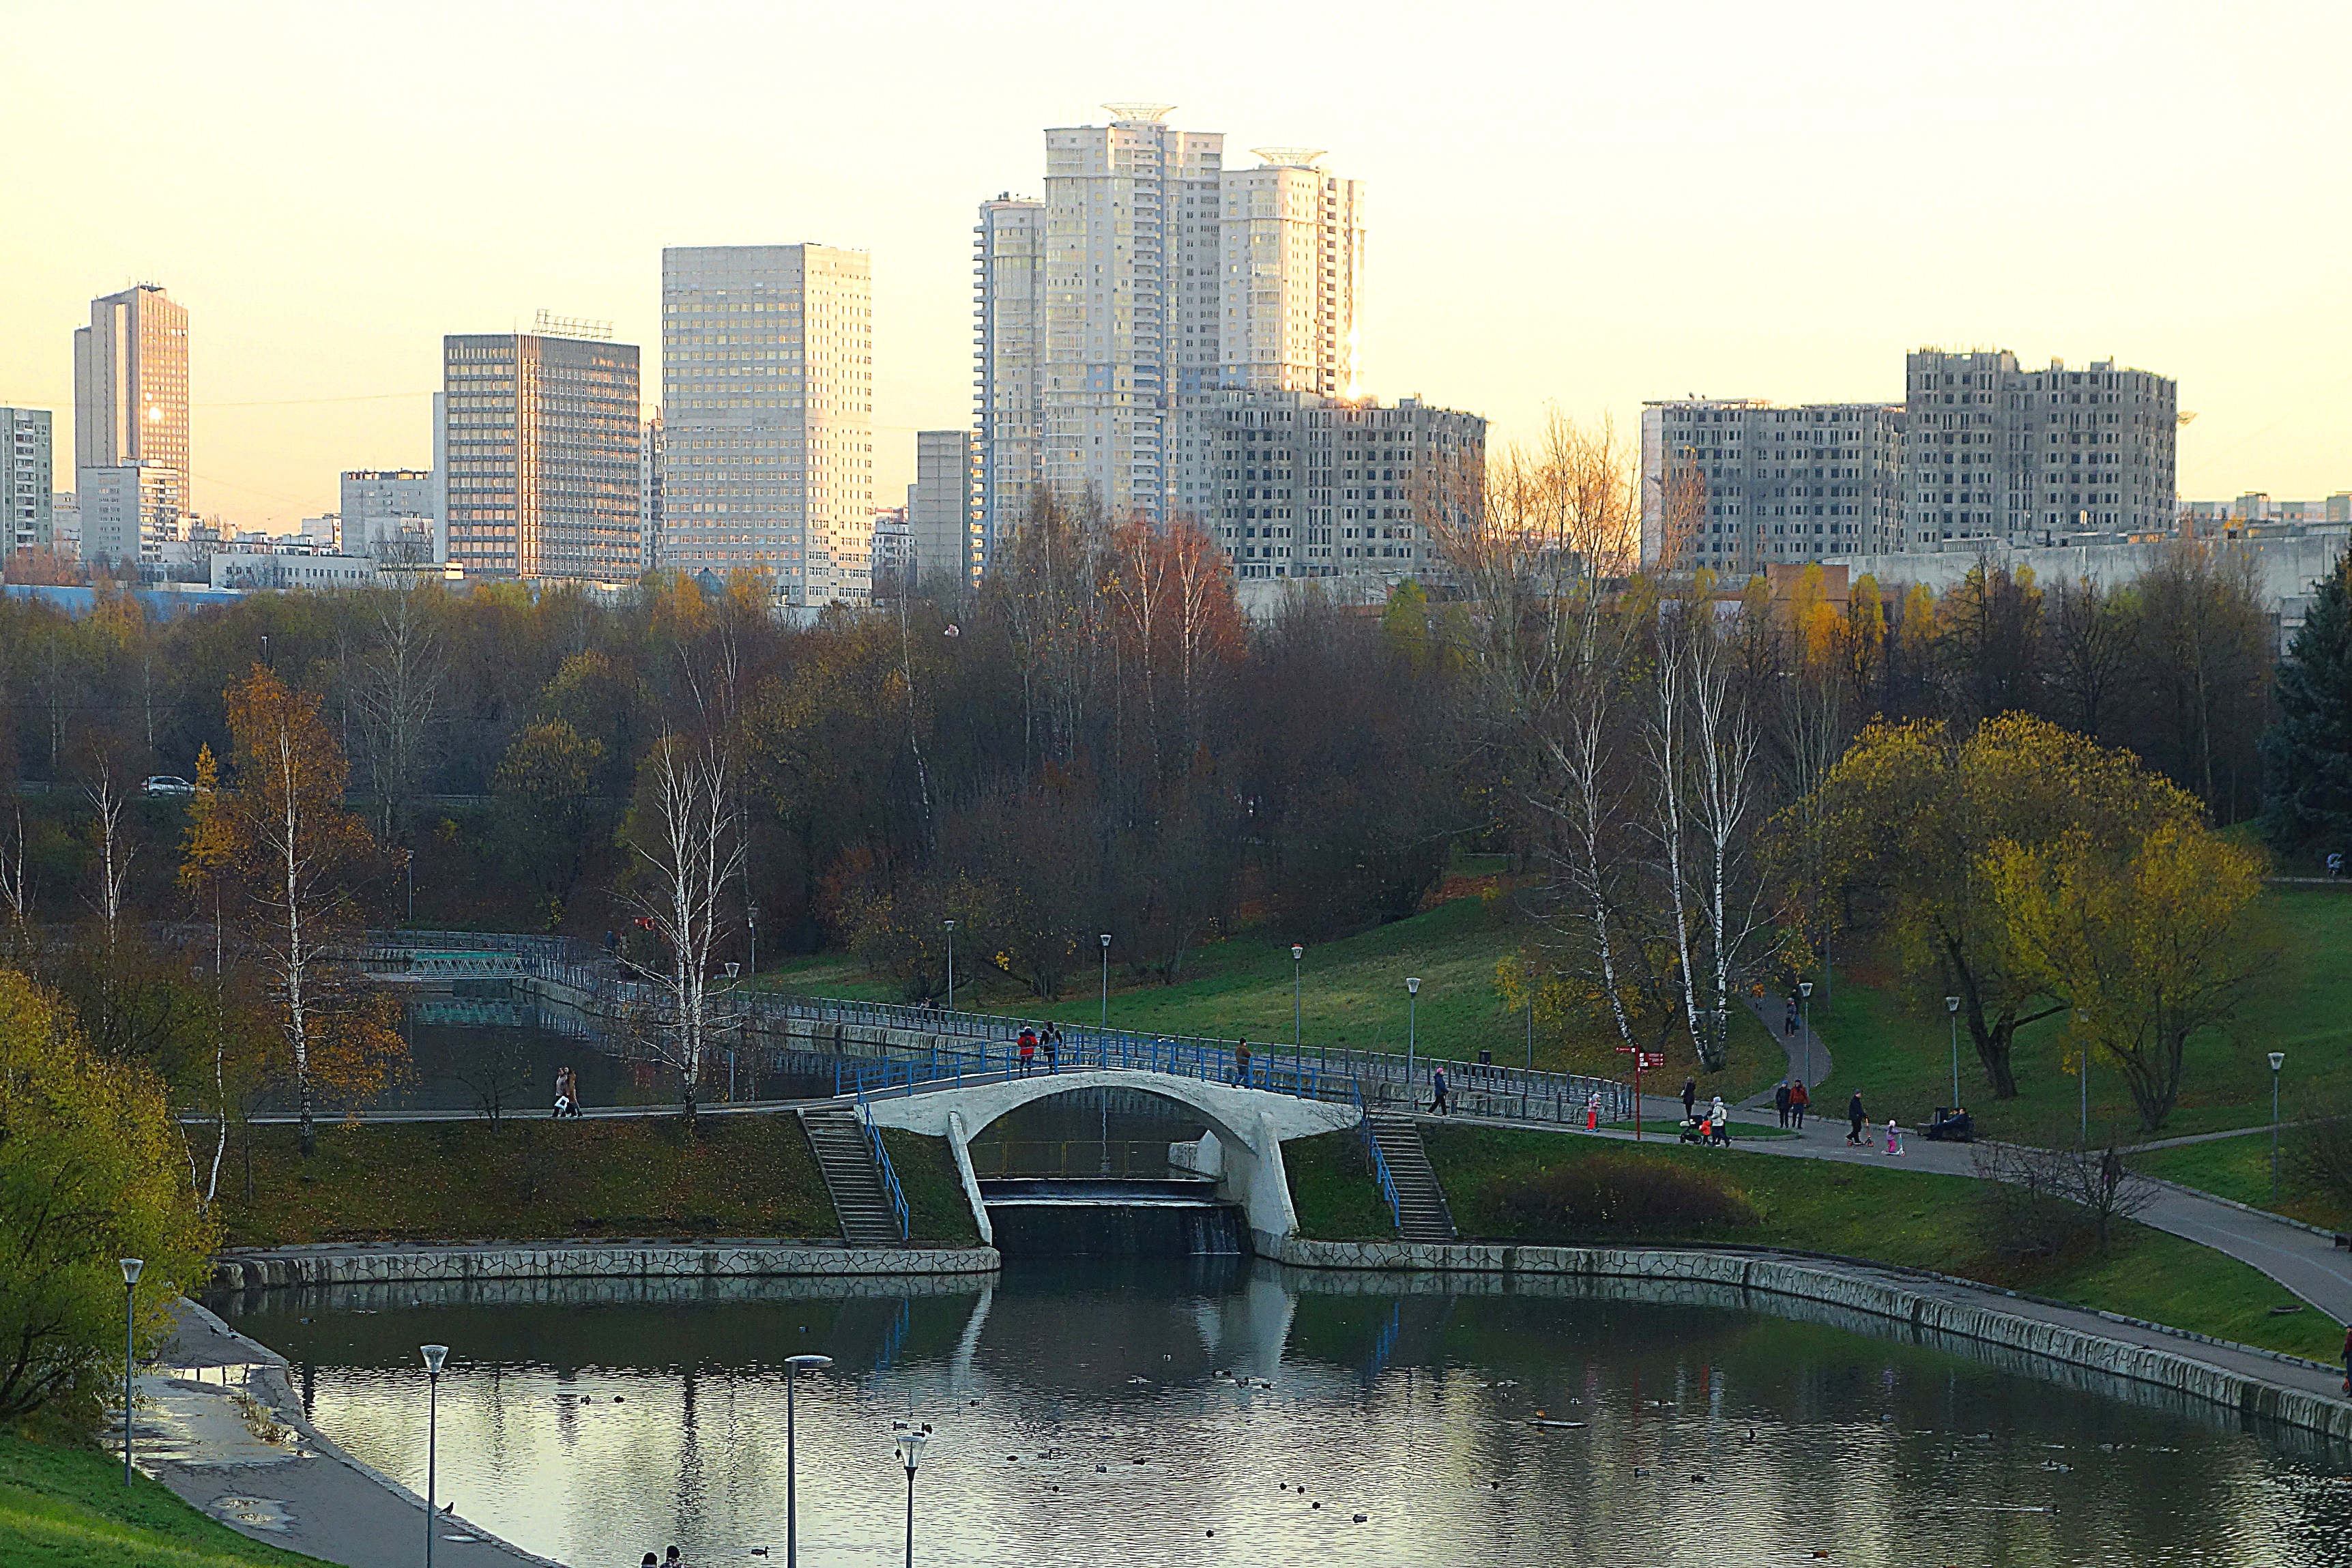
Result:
[[219, 1424], [1809, 1059]]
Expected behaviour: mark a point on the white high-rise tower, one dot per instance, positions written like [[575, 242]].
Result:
[[1149, 272]]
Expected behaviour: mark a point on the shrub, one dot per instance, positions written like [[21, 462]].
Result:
[[1613, 1195]]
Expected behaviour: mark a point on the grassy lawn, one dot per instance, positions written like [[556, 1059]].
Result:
[[938, 1213], [1333, 1189], [1352, 992], [1892, 1216], [739, 1175], [1896, 1048], [63, 1505]]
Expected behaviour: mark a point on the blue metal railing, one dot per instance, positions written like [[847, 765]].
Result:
[[889, 1173], [1380, 1163], [963, 1044]]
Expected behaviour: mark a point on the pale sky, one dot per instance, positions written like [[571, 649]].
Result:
[[1570, 204]]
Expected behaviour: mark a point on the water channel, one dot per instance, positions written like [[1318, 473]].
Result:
[[1224, 1411]]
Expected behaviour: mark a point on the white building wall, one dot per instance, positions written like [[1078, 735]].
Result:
[[28, 478]]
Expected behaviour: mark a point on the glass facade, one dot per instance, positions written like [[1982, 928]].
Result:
[[541, 434]]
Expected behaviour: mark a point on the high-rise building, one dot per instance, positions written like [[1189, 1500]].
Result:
[[387, 515], [1755, 484], [768, 410], [131, 382], [649, 493], [128, 512], [2025, 456], [27, 478], [1149, 273], [538, 447], [893, 545], [1294, 484], [1009, 261], [941, 515]]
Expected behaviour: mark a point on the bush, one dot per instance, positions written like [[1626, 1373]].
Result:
[[2318, 1155], [1602, 1193], [2034, 1206]]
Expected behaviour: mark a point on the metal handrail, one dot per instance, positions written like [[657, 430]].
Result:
[[888, 1171], [963, 1042], [1379, 1163]]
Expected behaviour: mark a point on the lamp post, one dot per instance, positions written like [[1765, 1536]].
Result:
[[2278, 1060], [751, 931], [793, 1366], [910, 1453], [1412, 1035], [2083, 1026], [950, 925], [436, 1356], [1297, 1013], [131, 1268], [1805, 1004], [1952, 1006], [1106, 1006]]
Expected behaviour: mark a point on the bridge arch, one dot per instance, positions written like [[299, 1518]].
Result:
[[1249, 1124]]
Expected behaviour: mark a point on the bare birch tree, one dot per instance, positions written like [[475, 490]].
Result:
[[395, 691], [684, 834], [113, 854]]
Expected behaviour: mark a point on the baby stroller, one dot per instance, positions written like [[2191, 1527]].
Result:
[[1691, 1132], [1697, 1129]]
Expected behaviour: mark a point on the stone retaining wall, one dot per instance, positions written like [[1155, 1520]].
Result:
[[400, 1265], [1928, 1308]]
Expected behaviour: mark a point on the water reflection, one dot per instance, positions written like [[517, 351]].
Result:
[[1108, 1412]]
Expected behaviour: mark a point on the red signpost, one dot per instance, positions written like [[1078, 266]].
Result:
[[1641, 1059]]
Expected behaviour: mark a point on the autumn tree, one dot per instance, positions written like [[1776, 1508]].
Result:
[[1912, 815], [270, 838], [2148, 941]]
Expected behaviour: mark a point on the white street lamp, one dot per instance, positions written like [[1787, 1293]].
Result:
[[1298, 1033], [2278, 1060], [950, 925], [1805, 1001], [435, 1357], [1952, 1006], [1412, 1036], [793, 1366], [1106, 1006], [910, 1453], [131, 1268]]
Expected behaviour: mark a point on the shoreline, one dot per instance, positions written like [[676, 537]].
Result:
[[397, 1263], [2256, 1382]]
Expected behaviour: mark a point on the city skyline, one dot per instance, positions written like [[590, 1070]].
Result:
[[1657, 214]]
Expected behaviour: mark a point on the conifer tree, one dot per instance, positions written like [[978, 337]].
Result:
[[2308, 753]]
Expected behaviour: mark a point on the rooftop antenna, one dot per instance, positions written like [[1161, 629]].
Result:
[[550, 325], [1289, 157], [1147, 111]]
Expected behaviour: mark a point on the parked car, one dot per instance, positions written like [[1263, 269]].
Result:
[[168, 786]]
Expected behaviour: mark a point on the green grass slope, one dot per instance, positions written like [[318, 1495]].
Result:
[[63, 1505]]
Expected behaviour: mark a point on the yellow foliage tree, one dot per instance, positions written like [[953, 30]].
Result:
[[2148, 943], [273, 841]]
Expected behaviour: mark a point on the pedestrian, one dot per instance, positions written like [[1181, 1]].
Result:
[[1053, 1047], [1894, 1137], [1241, 1063], [1028, 1049], [1439, 1105], [1798, 1103], [1781, 1100], [669, 1559], [1721, 1118], [1855, 1116], [651, 1562], [1690, 1097]]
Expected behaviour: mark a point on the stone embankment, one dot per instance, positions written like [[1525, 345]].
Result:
[[406, 1265], [2258, 1384]]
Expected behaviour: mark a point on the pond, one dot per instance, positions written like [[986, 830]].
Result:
[[1225, 1411]]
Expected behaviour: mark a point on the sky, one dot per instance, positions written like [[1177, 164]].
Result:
[[1571, 207]]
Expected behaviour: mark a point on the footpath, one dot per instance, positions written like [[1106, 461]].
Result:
[[218, 1424], [2306, 1262]]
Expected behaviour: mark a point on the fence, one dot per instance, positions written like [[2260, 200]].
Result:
[[959, 1045]]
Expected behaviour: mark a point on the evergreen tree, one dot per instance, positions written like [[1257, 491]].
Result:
[[2307, 754]]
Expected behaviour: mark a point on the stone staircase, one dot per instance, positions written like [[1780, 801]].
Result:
[[1421, 1201], [842, 1154]]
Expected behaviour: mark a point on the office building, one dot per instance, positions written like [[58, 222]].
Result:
[[1149, 273], [388, 515], [287, 567], [28, 478], [649, 493], [942, 511], [893, 560], [128, 512], [1741, 484], [768, 413], [538, 444], [130, 382], [1293, 484], [1993, 451]]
